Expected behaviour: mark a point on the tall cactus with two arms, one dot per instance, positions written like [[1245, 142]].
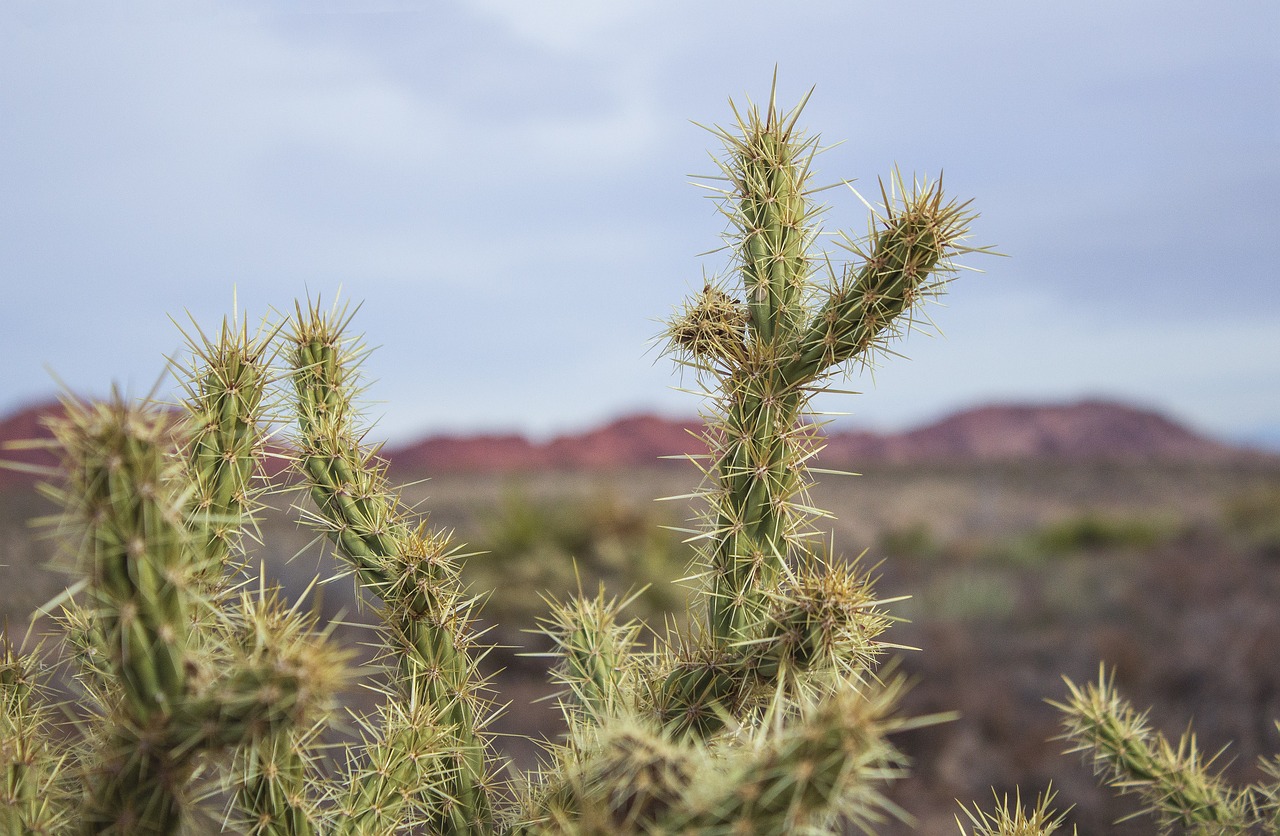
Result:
[[765, 347], [767, 716]]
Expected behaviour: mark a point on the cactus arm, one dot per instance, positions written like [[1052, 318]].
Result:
[[767, 170], [180, 693], [225, 382], [404, 762], [822, 766], [1174, 782], [907, 261], [126, 495], [412, 570], [593, 648], [273, 706]]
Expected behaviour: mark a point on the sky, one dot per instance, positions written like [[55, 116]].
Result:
[[505, 187]]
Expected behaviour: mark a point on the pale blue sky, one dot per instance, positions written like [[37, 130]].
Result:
[[505, 186]]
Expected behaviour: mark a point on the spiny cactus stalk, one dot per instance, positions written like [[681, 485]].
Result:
[[34, 767], [1176, 783], [765, 711], [174, 668], [769, 337], [412, 570]]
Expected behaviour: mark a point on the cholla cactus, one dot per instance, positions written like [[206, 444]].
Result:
[[1012, 819], [765, 714], [1176, 783], [771, 697], [173, 665]]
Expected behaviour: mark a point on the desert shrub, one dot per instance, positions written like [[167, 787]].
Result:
[[912, 540], [1255, 516], [1099, 532], [529, 549]]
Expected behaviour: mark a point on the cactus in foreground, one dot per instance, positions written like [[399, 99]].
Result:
[[765, 712], [174, 665]]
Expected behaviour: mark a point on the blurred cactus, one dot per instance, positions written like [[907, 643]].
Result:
[[762, 711], [1013, 819], [1176, 783]]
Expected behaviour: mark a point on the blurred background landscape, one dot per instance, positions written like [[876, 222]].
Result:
[[1033, 542], [1085, 469]]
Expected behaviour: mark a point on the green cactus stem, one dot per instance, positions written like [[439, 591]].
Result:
[[226, 382], [413, 570], [1173, 781], [797, 331], [825, 765], [594, 648], [175, 693]]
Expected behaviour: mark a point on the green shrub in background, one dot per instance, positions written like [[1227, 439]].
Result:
[[1095, 532], [766, 712], [1255, 516], [531, 548]]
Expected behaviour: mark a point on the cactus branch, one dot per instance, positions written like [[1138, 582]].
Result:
[[768, 353], [1174, 781], [413, 570]]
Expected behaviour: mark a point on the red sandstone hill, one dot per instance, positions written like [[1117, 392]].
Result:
[[628, 442], [1083, 430], [16, 430]]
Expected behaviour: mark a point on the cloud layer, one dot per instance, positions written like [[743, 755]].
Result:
[[504, 184]]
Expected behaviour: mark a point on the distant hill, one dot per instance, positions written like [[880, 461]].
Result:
[[628, 442], [1084, 430], [1088, 429], [18, 428]]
